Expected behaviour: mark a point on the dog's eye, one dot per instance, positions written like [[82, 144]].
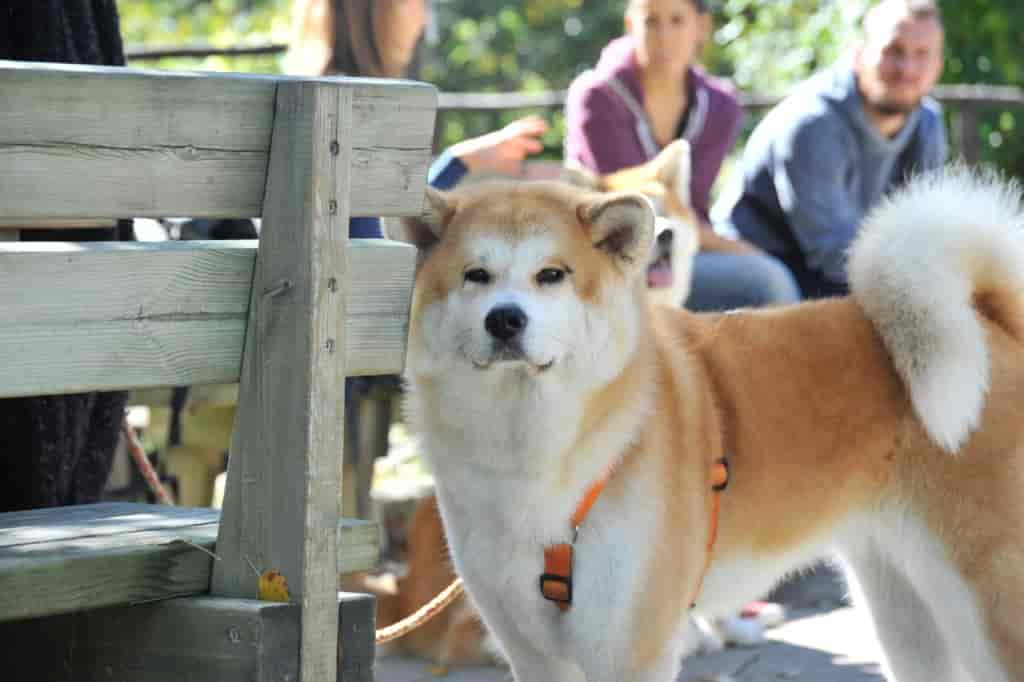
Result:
[[550, 276], [477, 276]]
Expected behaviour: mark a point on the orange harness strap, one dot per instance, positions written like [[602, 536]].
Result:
[[556, 581], [719, 482]]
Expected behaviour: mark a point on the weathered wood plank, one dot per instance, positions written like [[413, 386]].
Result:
[[72, 574], [40, 530], [71, 558], [187, 144], [377, 300], [57, 223], [117, 315], [200, 639], [357, 648], [276, 507]]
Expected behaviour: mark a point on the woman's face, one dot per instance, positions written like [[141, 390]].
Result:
[[668, 33], [398, 25]]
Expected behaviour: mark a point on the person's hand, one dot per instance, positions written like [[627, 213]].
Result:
[[503, 150]]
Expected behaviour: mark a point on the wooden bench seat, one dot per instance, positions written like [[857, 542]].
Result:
[[70, 559]]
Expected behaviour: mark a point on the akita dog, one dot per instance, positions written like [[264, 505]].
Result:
[[454, 636], [604, 464]]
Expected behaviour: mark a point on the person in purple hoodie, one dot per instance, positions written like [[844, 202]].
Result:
[[644, 93]]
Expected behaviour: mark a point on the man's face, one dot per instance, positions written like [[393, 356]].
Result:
[[899, 63]]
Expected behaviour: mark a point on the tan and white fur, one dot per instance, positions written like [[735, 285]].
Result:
[[887, 426]]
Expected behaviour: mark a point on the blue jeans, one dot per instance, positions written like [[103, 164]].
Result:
[[723, 281]]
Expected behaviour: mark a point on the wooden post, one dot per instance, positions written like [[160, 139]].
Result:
[[283, 496], [966, 138]]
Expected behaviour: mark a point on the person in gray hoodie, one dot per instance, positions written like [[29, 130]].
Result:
[[823, 157]]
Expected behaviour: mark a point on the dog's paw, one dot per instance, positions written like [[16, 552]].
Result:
[[708, 639]]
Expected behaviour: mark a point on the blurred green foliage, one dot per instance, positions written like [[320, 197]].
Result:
[[218, 23], [985, 44], [534, 45]]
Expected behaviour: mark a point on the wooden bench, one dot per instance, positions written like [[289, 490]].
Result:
[[289, 320]]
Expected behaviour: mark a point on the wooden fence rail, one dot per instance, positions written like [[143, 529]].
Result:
[[966, 102]]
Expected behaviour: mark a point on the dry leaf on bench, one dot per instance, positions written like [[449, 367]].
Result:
[[273, 586]]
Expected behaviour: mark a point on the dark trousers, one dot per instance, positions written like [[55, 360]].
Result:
[[813, 283]]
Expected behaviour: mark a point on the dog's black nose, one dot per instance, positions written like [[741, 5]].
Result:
[[504, 322], [665, 237]]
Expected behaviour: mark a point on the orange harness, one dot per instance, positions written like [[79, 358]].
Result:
[[556, 581]]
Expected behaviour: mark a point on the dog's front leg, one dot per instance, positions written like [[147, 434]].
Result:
[[617, 665], [531, 661], [540, 668]]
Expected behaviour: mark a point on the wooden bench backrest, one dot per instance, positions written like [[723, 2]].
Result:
[[290, 320], [93, 142], [82, 143]]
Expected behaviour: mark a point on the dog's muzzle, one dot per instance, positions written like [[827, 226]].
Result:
[[506, 325]]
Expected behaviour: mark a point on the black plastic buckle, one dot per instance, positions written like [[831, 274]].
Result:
[[564, 580]]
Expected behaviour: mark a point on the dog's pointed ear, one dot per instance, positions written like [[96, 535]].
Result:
[[621, 225], [425, 230], [672, 165], [578, 176]]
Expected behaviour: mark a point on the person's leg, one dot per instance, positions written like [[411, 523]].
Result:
[[724, 281]]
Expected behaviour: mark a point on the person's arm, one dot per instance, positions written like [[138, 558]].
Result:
[[364, 228], [600, 131], [446, 171], [501, 151], [811, 163]]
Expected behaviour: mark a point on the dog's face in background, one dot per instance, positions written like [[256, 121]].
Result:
[[665, 180], [670, 267]]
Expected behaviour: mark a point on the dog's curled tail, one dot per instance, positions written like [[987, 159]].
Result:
[[929, 261]]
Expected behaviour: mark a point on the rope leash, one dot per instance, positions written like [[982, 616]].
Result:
[[142, 463], [423, 614]]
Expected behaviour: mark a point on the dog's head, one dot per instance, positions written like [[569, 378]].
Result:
[[537, 278], [665, 180]]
